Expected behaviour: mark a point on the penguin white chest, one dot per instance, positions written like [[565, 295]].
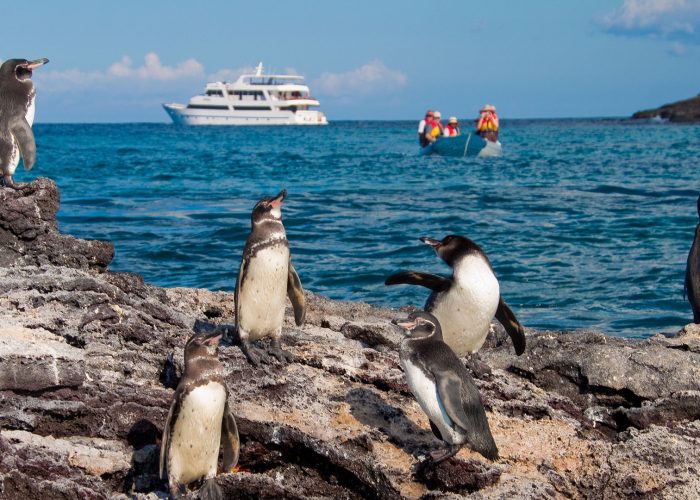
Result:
[[196, 435], [31, 109], [263, 292], [465, 310], [426, 393]]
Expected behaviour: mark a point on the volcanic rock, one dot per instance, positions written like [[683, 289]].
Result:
[[89, 359]]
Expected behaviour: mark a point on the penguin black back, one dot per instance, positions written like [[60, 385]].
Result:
[[692, 273]]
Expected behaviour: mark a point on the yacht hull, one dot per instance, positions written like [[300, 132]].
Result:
[[181, 115]]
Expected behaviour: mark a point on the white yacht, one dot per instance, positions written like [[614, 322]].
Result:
[[256, 99]]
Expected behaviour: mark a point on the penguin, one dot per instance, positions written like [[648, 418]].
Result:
[[16, 116], [199, 420], [266, 276], [466, 302], [444, 390], [692, 273]]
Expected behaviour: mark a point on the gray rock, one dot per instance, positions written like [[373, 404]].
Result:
[[35, 360], [578, 415], [29, 233]]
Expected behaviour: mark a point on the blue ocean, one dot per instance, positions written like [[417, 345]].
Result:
[[587, 223]]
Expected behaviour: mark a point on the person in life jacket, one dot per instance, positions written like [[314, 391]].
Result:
[[434, 128], [487, 124], [452, 128], [421, 128]]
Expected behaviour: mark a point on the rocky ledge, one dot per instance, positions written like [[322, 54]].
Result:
[[89, 359], [686, 111]]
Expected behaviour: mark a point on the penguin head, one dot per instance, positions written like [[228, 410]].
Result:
[[421, 324], [269, 208], [452, 248], [201, 345], [20, 69]]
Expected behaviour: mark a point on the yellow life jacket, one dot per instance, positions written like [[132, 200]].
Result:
[[488, 124]]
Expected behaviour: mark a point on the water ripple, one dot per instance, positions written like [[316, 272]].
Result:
[[587, 223]]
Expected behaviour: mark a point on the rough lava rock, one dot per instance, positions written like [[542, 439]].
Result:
[[89, 359], [29, 233]]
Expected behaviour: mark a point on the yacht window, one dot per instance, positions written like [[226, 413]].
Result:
[[248, 95], [252, 108], [206, 106], [215, 92]]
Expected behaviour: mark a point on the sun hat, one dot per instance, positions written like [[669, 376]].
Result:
[[437, 114], [429, 112], [453, 119], [488, 107]]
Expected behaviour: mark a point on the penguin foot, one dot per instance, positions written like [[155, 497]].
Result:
[[255, 355], [210, 491], [6, 181], [177, 491], [441, 455], [282, 355]]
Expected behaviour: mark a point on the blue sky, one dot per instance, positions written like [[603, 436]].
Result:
[[118, 61]]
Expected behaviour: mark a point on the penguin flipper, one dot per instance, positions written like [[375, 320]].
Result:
[[463, 405], [515, 330], [296, 295], [229, 439], [22, 132], [433, 281], [165, 441]]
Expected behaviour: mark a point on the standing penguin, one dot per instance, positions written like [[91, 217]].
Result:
[[199, 420], [444, 389], [692, 273], [466, 303], [16, 116], [266, 277]]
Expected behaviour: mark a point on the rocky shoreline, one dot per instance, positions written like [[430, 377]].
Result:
[[89, 359], [685, 111]]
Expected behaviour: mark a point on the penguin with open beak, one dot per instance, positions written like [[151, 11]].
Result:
[[17, 97]]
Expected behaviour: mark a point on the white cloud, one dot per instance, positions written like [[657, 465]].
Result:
[[370, 78], [676, 20], [123, 71], [153, 69]]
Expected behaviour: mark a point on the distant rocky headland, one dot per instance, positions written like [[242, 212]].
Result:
[[686, 111], [89, 359]]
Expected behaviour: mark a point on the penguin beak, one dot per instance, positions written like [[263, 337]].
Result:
[[212, 339], [31, 65], [23, 71], [277, 200], [429, 241]]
